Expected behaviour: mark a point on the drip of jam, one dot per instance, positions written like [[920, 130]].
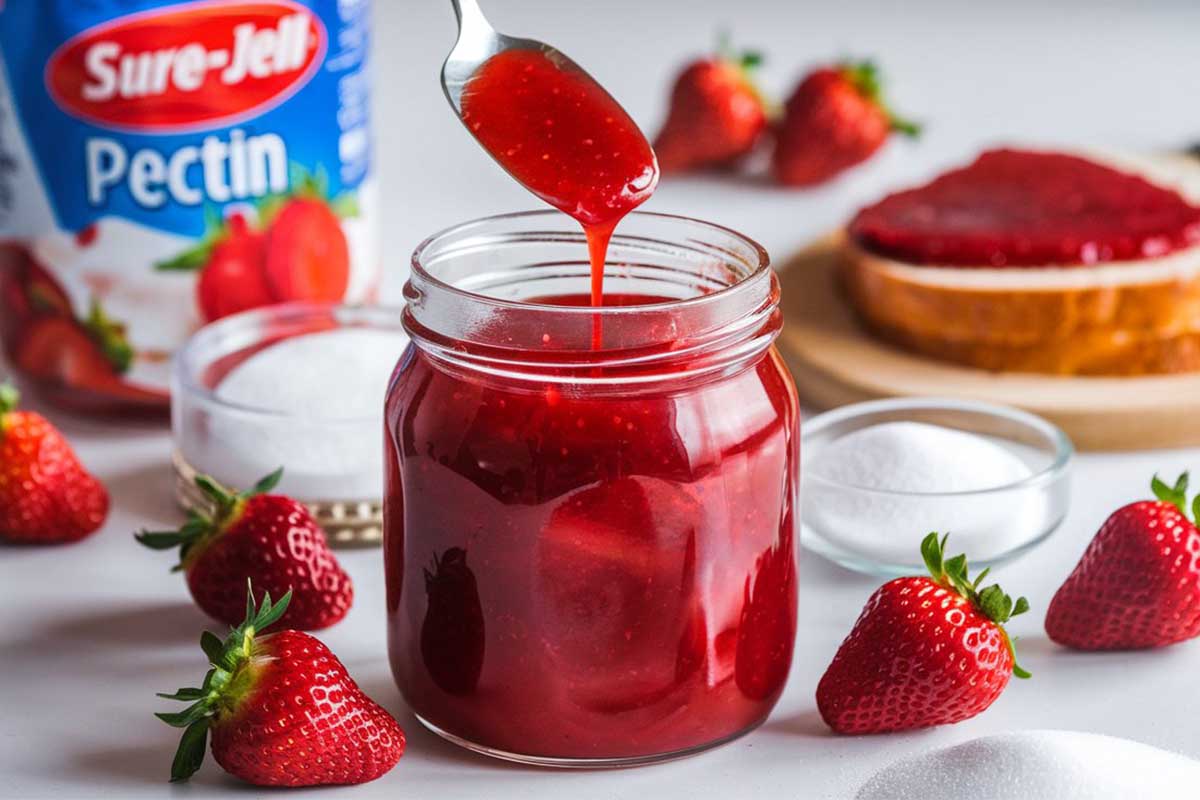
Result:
[[565, 139], [1013, 208]]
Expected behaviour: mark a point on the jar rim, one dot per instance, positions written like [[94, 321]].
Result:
[[761, 256], [484, 296]]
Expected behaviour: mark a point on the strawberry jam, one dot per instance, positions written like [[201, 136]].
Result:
[[1012, 208], [565, 139], [590, 552]]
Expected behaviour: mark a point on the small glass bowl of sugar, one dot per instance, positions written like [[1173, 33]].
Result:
[[879, 476], [299, 386]]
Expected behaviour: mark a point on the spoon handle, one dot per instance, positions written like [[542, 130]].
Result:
[[468, 12]]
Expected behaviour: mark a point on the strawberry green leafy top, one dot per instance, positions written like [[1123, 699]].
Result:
[[225, 683], [1177, 496], [991, 601]]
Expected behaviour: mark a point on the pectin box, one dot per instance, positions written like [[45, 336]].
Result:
[[165, 164]]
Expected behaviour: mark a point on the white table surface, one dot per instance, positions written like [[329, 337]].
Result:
[[90, 631]]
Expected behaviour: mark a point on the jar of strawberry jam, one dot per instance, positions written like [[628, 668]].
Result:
[[589, 512]]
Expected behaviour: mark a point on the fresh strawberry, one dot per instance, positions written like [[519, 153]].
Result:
[[1138, 583], [231, 260], [716, 116], [282, 710], [46, 496], [271, 540], [307, 257], [452, 637], [835, 119], [924, 651], [234, 278]]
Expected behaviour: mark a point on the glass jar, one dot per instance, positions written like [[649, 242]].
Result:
[[589, 514]]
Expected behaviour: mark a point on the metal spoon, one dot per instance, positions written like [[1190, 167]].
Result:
[[615, 131], [477, 42]]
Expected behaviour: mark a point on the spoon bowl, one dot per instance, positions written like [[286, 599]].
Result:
[[477, 42], [548, 123]]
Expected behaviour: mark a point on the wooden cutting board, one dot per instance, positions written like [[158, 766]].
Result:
[[836, 362]]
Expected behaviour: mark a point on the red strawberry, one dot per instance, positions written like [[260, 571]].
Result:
[[835, 119], [307, 254], [716, 115], [282, 710], [271, 540], [231, 260], [234, 278], [46, 496], [1138, 583], [923, 652]]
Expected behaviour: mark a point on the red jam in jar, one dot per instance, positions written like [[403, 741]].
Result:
[[590, 550]]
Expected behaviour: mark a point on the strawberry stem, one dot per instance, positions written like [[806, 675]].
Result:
[[864, 76], [199, 529], [867, 80], [747, 60], [190, 260], [110, 336], [225, 683], [9, 397], [216, 230], [991, 601], [904, 127], [1176, 495]]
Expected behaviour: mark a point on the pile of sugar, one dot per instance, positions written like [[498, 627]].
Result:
[[1039, 765], [917, 457], [921, 459], [340, 375]]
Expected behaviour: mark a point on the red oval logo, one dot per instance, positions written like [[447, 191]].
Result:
[[199, 65]]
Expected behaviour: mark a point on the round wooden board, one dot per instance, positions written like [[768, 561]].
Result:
[[836, 362]]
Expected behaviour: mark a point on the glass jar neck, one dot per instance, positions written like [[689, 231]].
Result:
[[683, 298]]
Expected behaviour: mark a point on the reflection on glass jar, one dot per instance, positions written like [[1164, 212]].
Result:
[[590, 553]]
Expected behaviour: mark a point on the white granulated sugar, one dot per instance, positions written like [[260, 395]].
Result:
[[930, 462], [339, 373], [334, 383], [1039, 765], [916, 457]]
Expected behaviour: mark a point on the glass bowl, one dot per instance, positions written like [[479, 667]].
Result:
[[878, 530], [310, 419]]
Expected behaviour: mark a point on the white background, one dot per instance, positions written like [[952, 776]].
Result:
[[89, 632]]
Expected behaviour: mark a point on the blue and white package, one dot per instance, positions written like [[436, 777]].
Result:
[[163, 164]]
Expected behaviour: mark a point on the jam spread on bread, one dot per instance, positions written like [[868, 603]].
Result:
[[1014, 208]]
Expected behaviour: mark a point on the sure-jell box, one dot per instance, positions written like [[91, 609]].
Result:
[[166, 164]]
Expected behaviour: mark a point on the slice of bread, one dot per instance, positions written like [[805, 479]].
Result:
[[1117, 318]]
